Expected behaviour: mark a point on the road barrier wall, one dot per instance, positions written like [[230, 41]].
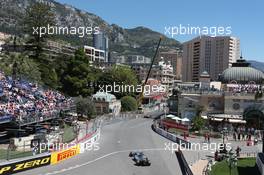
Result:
[[185, 168], [16, 166], [260, 162], [172, 137], [23, 165], [91, 143], [79, 146]]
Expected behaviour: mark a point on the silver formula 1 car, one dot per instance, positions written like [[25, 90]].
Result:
[[139, 158]]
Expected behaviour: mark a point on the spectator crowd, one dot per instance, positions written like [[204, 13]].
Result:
[[23, 101]]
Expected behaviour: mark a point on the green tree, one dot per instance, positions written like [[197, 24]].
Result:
[[85, 107], [21, 65], [78, 76], [198, 121], [128, 103], [37, 18], [122, 76], [48, 75]]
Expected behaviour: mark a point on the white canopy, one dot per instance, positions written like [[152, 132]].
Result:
[[176, 118], [185, 120], [236, 121], [217, 119], [170, 116]]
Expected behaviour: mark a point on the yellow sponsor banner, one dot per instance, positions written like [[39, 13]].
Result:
[[24, 165], [65, 154]]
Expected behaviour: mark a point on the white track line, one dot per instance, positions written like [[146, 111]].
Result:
[[99, 158]]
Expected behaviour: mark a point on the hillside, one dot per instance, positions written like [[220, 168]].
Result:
[[139, 40], [257, 64]]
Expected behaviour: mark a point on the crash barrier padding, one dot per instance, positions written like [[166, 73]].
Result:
[[24, 165], [172, 137], [185, 169], [57, 157], [260, 162]]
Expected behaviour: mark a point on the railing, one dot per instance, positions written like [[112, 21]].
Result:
[[42, 117], [172, 137], [185, 169]]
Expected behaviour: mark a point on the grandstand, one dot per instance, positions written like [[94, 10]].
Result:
[[26, 108]]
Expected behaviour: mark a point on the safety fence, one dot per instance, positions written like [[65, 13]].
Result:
[[34, 144], [80, 145], [185, 168], [172, 137], [56, 157], [260, 163]]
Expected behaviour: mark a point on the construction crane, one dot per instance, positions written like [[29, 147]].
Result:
[[140, 98]]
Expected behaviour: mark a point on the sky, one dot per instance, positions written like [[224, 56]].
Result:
[[244, 17]]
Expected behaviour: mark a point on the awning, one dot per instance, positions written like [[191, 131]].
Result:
[[204, 116], [170, 116], [236, 121], [227, 116], [217, 119], [185, 120], [176, 118]]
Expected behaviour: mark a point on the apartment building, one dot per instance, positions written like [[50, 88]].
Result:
[[175, 58], [95, 55], [211, 54]]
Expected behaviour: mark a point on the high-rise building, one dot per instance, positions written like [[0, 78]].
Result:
[[211, 54], [175, 58], [100, 42]]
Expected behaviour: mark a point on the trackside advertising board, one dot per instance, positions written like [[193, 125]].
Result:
[[65, 154], [24, 165]]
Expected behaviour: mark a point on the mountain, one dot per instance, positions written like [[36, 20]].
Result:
[[139, 40], [257, 64]]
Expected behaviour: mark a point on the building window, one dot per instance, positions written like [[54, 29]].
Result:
[[236, 106]]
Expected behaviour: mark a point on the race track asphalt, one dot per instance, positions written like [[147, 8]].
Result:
[[115, 143]]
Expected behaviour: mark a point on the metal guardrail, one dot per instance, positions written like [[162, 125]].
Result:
[[185, 169], [172, 137], [25, 120]]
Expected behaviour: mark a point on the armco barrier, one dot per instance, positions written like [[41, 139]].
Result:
[[181, 159], [172, 137], [185, 169], [23, 165], [260, 163]]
